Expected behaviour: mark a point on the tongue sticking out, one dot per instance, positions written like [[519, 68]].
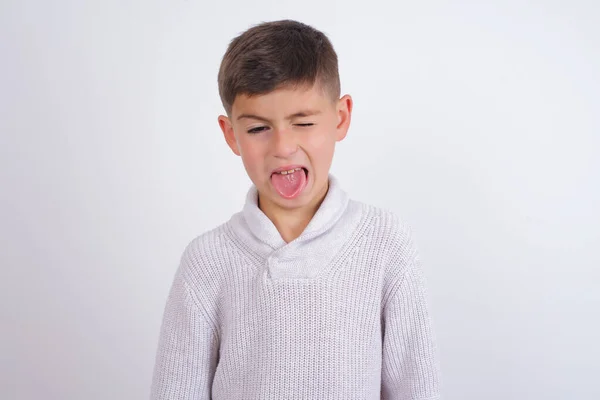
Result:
[[289, 185]]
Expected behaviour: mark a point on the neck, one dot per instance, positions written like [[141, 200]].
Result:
[[290, 223]]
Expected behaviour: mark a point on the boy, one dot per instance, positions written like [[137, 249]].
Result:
[[304, 294]]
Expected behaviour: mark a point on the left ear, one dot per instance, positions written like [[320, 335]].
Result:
[[344, 114]]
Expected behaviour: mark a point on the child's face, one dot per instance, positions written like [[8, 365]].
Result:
[[296, 126]]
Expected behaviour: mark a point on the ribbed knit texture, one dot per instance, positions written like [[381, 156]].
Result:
[[339, 313]]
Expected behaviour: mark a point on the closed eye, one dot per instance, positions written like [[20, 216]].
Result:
[[305, 124]]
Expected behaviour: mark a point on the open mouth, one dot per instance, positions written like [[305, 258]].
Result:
[[291, 171]]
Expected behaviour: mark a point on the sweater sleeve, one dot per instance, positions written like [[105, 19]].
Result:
[[410, 369], [188, 349]]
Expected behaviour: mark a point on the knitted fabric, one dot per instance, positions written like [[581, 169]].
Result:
[[338, 313]]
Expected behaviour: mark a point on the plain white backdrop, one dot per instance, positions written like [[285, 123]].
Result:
[[477, 122]]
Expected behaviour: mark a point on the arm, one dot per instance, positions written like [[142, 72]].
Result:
[[410, 369], [188, 349]]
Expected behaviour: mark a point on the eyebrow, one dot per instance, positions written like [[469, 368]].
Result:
[[299, 114]]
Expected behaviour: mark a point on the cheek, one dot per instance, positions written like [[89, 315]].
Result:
[[322, 143], [252, 152]]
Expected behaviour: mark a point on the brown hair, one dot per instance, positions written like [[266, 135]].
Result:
[[275, 54]]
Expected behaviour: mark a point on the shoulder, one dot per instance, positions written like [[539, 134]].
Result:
[[202, 246], [393, 233], [391, 241], [201, 263]]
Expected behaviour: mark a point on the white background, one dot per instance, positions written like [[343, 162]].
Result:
[[477, 122]]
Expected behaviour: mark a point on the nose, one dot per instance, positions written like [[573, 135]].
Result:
[[283, 143]]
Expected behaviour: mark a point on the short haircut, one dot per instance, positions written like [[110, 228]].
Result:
[[277, 54]]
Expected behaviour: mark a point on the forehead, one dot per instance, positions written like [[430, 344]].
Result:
[[285, 100]]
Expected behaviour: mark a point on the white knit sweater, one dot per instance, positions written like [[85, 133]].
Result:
[[338, 313]]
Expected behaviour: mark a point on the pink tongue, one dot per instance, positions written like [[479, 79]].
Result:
[[289, 185]]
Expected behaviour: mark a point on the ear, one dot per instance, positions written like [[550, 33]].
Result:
[[228, 133], [344, 113]]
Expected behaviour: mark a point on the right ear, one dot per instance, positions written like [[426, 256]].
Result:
[[228, 133]]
